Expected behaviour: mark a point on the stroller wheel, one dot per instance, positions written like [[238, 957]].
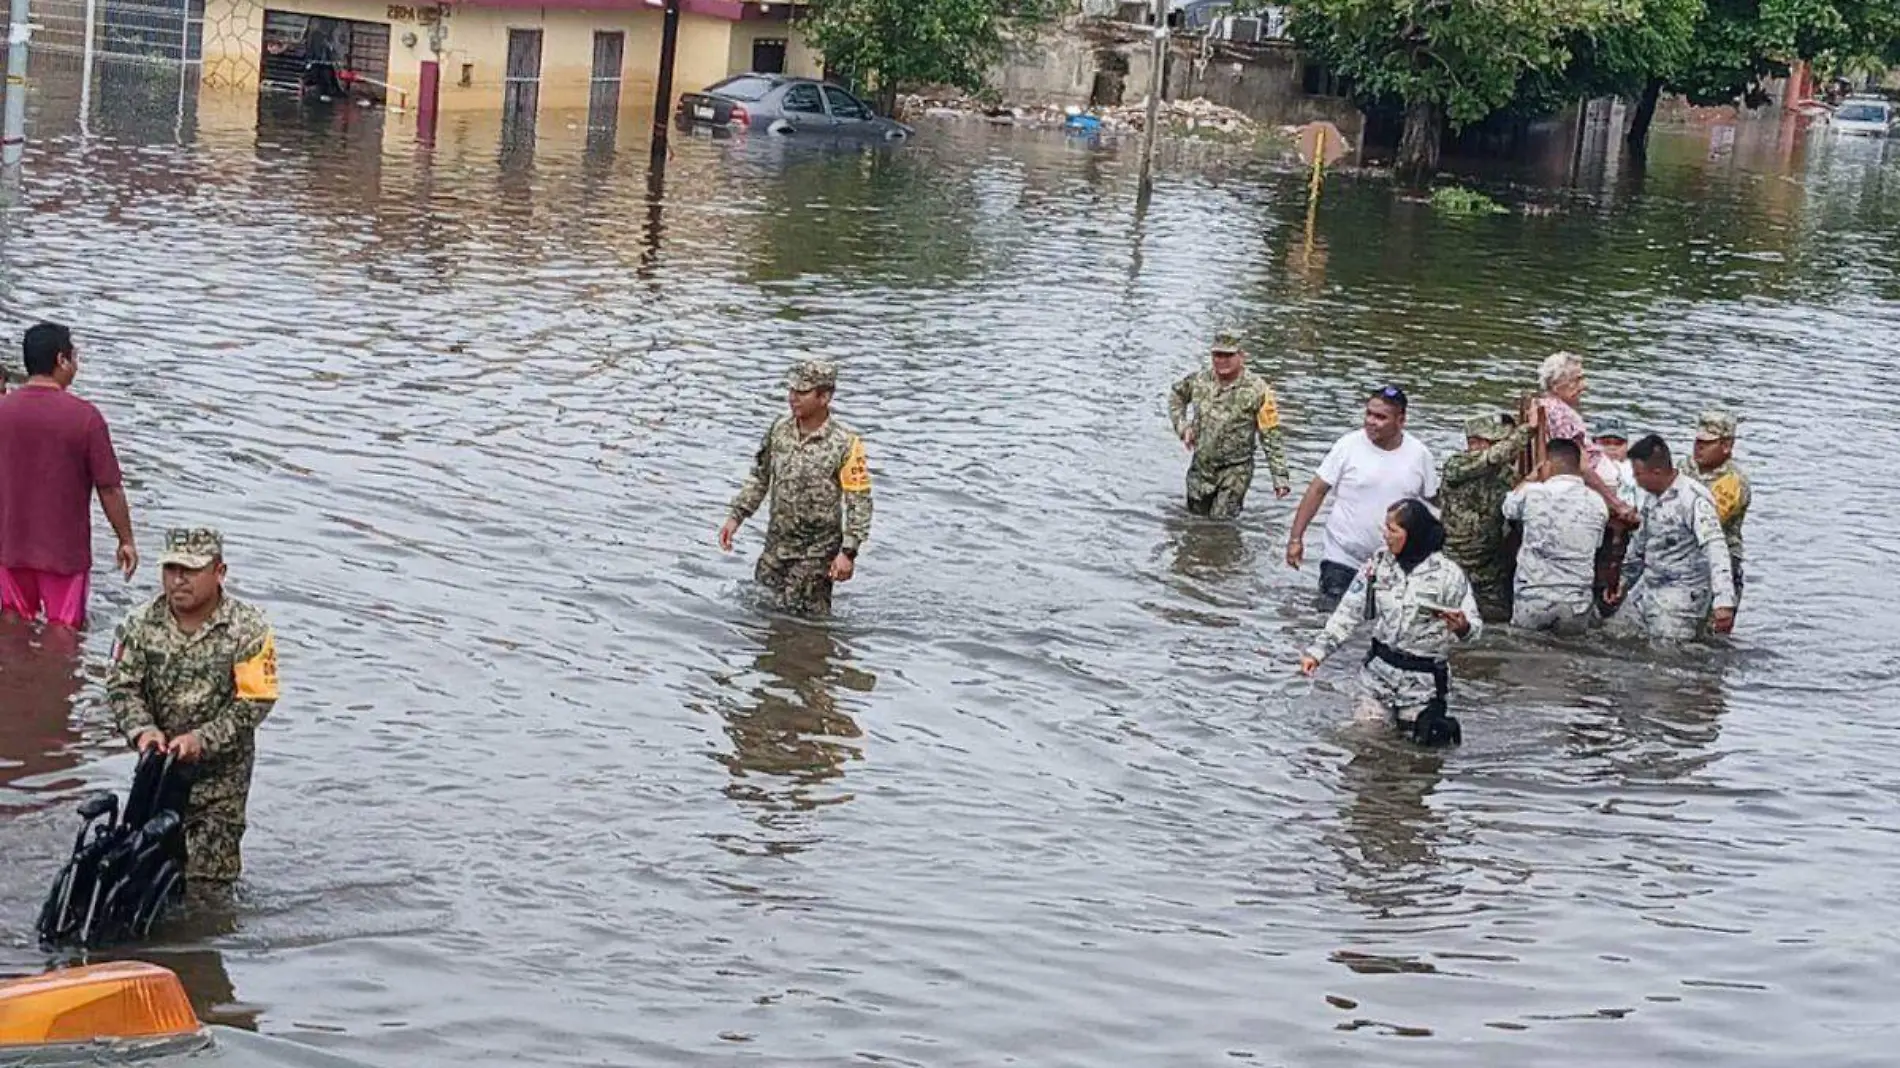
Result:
[[158, 898], [53, 912], [116, 911]]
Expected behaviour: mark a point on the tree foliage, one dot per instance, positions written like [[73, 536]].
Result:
[[1723, 51], [1466, 58], [1622, 57], [886, 45]]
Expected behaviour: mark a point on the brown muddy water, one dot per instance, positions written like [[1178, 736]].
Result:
[[546, 786]]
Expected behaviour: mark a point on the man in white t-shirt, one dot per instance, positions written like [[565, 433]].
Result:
[[1371, 469]]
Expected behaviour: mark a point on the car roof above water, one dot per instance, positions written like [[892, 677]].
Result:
[[771, 81]]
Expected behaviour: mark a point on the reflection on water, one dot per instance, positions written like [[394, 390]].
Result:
[[40, 674], [789, 737], [1210, 551], [468, 416], [1388, 830]]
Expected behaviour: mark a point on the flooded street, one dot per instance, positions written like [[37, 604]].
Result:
[[547, 786]]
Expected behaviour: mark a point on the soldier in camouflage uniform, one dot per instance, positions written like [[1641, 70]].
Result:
[[1713, 465], [194, 671], [1677, 569], [812, 467], [1471, 495], [1219, 414], [1564, 521]]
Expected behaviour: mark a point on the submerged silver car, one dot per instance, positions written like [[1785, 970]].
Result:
[[1866, 116], [776, 103]]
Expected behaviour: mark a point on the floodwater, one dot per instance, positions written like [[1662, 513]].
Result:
[[546, 785]]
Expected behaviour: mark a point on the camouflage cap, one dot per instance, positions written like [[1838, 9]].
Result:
[[1491, 426], [812, 374], [192, 548], [1612, 427], [1715, 425], [1226, 342]]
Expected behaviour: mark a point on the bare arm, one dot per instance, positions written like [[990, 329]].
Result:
[[1316, 491], [119, 513], [112, 502]]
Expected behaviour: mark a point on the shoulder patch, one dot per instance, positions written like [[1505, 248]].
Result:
[[257, 677], [1268, 417], [855, 475], [1727, 492]]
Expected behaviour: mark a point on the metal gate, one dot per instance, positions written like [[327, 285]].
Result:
[[293, 42], [603, 95], [521, 92]]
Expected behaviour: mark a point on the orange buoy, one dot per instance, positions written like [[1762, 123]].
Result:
[[118, 1000]]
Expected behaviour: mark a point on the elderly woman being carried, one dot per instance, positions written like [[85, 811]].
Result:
[[1555, 411]]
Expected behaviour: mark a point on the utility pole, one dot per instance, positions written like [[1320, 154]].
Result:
[[85, 75], [13, 143], [663, 91], [1157, 82]]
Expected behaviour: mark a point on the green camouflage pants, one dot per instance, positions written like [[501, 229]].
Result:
[[800, 585], [214, 827], [1492, 587], [1218, 492]]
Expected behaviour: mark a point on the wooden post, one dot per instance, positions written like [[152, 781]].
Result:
[[1156, 83], [1312, 197]]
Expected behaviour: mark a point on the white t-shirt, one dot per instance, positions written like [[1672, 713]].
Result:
[[1367, 481]]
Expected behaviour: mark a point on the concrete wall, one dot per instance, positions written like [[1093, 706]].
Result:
[[1060, 69], [475, 45], [1263, 83]]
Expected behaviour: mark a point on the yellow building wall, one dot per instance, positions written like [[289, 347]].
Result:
[[475, 48], [800, 59]]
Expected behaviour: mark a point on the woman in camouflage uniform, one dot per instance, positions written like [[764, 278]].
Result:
[[1419, 604]]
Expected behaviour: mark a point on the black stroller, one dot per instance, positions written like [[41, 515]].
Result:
[[127, 867]]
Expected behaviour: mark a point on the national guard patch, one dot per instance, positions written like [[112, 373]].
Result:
[[257, 677], [855, 475]]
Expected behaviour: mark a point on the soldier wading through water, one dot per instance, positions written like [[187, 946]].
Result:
[[194, 672], [812, 468], [1222, 414]]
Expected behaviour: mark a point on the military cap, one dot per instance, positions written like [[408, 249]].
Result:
[[192, 548], [1612, 427], [813, 374], [1226, 342], [1491, 426], [1715, 425]]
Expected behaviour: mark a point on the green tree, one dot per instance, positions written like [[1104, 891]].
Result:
[[885, 46], [1448, 60], [1733, 47]]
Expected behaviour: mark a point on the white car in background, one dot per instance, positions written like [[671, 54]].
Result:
[[1869, 116]]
